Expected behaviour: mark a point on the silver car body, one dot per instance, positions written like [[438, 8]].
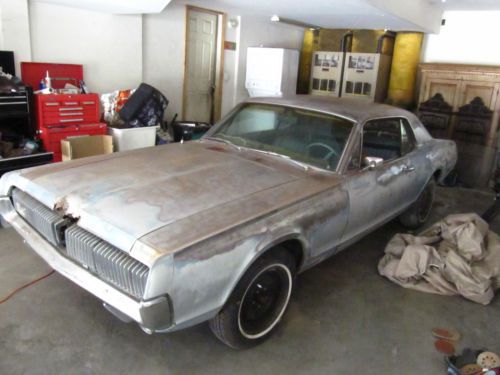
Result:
[[189, 219]]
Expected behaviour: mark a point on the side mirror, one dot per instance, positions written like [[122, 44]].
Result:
[[372, 161]]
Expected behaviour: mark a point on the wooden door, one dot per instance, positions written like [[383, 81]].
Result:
[[200, 66]]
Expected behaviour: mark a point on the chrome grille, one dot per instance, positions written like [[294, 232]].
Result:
[[99, 257], [108, 262], [44, 220]]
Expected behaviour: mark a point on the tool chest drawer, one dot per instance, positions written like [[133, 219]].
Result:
[[74, 117], [51, 135]]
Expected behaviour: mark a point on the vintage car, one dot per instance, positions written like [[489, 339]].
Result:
[[217, 229]]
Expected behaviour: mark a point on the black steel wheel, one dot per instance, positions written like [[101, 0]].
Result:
[[258, 302]]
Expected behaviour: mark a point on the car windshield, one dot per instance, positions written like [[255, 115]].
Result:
[[305, 136]]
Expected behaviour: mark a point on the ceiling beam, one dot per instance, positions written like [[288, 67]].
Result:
[[421, 13]]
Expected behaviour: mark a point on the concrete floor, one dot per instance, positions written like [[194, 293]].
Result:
[[344, 319]]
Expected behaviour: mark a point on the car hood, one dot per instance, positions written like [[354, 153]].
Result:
[[125, 196]]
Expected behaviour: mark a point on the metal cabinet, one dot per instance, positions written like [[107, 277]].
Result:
[[17, 123], [67, 115], [326, 73], [366, 76]]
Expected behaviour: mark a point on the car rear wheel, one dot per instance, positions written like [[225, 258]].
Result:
[[418, 213], [258, 302]]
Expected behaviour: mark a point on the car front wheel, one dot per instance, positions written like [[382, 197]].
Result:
[[418, 213], [257, 303]]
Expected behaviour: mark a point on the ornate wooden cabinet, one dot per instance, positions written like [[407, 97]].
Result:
[[460, 85], [472, 93], [436, 114]]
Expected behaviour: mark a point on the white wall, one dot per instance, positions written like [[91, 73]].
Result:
[[15, 33], [120, 51], [231, 67], [468, 37], [109, 46], [164, 46], [164, 57], [163, 52]]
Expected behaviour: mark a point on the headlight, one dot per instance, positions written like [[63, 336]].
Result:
[[5, 184]]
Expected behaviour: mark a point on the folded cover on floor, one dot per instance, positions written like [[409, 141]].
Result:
[[458, 255]]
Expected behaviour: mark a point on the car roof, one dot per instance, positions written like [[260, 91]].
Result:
[[354, 109]]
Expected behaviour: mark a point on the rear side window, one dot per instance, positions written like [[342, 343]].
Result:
[[388, 138], [408, 142]]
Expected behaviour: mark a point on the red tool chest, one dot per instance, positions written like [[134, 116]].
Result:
[[62, 115], [54, 109], [67, 115]]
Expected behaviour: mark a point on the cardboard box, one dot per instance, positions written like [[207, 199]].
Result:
[[88, 145]]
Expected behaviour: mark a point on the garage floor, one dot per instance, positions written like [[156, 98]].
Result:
[[343, 319]]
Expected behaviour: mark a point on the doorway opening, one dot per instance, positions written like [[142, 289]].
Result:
[[203, 68]]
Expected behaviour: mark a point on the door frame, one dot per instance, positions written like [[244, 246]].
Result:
[[219, 63]]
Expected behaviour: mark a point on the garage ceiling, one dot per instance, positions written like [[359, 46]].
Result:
[[324, 13], [418, 15], [114, 6], [469, 4], [413, 15]]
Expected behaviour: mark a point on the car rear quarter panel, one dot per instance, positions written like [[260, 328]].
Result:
[[443, 156], [440, 153]]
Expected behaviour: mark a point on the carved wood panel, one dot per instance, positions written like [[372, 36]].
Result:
[[460, 84], [484, 90], [447, 88]]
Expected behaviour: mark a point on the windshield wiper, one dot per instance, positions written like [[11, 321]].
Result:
[[217, 139], [286, 157]]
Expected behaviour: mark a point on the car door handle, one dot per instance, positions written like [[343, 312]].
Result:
[[408, 168]]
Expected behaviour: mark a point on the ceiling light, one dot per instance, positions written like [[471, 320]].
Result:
[[289, 21]]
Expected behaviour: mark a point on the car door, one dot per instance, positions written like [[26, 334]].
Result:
[[377, 194]]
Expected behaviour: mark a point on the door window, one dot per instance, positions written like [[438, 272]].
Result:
[[388, 138]]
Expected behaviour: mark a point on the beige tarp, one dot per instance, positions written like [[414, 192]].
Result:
[[457, 255]]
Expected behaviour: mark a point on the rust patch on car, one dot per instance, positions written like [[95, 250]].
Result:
[[216, 148]]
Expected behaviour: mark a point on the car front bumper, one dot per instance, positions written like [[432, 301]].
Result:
[[152, 315]]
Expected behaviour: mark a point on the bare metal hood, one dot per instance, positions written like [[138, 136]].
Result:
[[125, 196]]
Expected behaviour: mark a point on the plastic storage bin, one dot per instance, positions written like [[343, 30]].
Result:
[[132, 138]]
